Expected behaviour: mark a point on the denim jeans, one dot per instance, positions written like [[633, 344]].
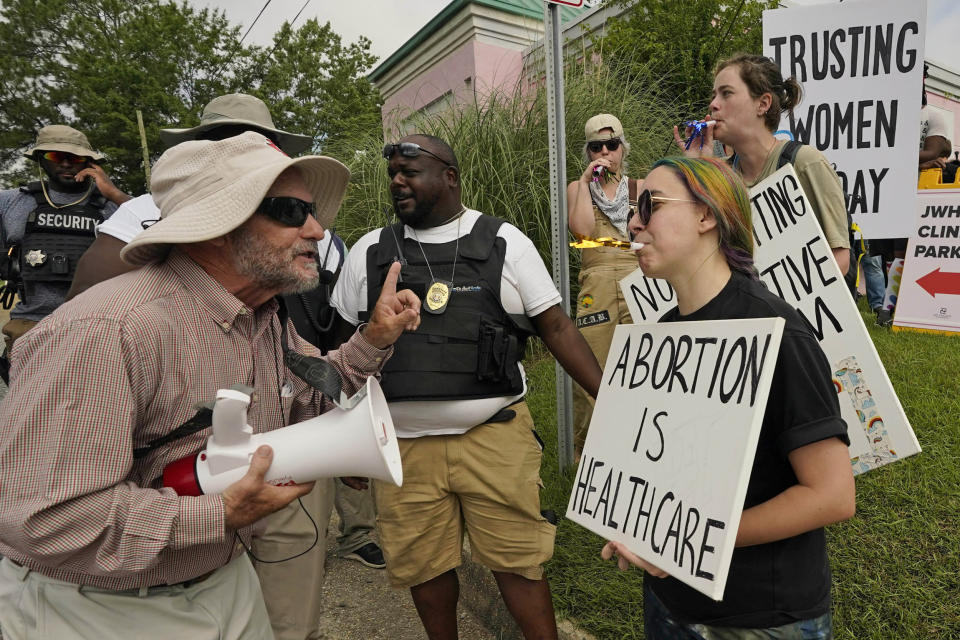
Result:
[[660, 625], [875, 280]]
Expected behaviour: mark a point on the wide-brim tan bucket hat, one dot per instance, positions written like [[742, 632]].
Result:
[[60, 137], [206, 189], [238, 109]]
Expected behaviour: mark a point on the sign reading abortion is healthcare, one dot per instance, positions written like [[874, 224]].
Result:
[[862, 73], [795, 263], [668, 455]]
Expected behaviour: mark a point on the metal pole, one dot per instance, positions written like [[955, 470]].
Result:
[[557, 145], [146, 153]]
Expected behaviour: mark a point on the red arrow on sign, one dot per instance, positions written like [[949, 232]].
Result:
[[940, 282]]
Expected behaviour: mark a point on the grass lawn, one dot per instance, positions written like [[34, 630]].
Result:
[[896, 564]]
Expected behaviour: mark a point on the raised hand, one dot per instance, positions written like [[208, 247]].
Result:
[[699, 148], [394, 313], [104, 183], [587, 176]]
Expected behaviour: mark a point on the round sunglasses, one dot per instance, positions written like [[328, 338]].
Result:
[[644, 205], [597, 145]]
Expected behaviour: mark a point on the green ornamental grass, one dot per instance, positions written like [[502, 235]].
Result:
[[501, 143]]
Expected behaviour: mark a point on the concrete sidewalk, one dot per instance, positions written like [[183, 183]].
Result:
[[359, 604]]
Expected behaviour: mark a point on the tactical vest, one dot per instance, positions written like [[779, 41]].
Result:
[[54, 239], [310, 311], [472, 349], [607, 257]]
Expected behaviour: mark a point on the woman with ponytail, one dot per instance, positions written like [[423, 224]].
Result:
[[693, 218], [749, 97]]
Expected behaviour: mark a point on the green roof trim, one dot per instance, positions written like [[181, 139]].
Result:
[[526, 8]]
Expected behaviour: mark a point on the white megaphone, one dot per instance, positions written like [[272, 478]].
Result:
[[354, 439]]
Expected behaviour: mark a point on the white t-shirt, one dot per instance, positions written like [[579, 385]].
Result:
[[932, 123], [525, 288], [129, 219]]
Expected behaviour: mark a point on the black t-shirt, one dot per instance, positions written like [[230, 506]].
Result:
[[780, 582]]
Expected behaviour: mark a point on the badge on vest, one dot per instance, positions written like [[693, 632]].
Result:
[[35, 257], [438, 295], [594, 318]]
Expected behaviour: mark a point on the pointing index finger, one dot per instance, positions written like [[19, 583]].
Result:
[[390, 283]]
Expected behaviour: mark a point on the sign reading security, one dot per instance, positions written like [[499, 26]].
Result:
[[66, 221]]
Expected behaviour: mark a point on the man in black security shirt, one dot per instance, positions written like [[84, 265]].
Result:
[[45, 226]]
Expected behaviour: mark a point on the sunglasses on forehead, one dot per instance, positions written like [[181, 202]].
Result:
[[61, 156], [597, 145], [409, 150], [290, 212], [644, 205]]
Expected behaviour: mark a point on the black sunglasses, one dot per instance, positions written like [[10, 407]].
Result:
[[288, 211], [597, 145], [409, 150], [644, 205]]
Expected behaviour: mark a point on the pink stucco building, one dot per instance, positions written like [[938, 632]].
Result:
[[470, 49]]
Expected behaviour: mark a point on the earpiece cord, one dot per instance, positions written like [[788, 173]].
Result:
[[316, 538], [311, 317]]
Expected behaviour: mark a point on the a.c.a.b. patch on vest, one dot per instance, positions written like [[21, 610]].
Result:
[[594, 318]]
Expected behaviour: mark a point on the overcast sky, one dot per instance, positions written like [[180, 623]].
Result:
[[390, 23]]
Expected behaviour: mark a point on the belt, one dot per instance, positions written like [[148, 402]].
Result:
[[141, 591], [186, 583]]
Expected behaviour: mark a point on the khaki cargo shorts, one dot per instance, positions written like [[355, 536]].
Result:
[[487, 479]]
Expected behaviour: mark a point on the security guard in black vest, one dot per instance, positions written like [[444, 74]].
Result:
[[455, 390], [45, 226]]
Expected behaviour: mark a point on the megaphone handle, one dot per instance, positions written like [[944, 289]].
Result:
[[230, 426]]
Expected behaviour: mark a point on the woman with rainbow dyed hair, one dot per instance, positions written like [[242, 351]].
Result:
[[693, 220]]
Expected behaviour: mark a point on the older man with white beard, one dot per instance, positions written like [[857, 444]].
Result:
[[94, 545]]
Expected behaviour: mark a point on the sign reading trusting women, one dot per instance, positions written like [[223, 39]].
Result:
[[795, 263], [862, 74], [667, 459]]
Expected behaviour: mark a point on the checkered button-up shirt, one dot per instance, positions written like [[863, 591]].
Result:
[[112, 370]]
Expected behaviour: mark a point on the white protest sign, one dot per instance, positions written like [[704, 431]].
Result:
[[795, 263], [930, 286], [667, 460], [862, 74]]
